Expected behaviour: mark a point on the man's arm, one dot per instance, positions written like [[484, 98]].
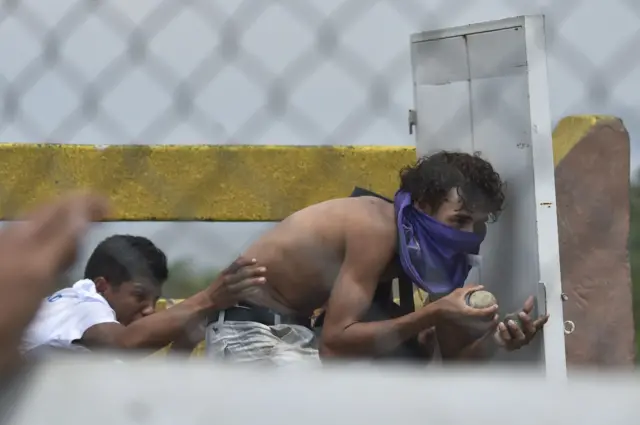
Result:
[[160, 329], [370, 248]]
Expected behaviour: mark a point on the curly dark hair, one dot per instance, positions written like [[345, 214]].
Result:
[[123, 258], [433, 176]]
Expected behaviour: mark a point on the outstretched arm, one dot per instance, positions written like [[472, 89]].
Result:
[[160, 329]]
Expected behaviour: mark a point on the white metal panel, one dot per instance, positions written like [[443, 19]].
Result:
[[500, 106], [440, 62], [441, 92], [81, 392], [497, 53], [506, 131], [449, 123], [509, 252]]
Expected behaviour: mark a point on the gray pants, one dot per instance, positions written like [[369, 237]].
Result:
[[253, 342]]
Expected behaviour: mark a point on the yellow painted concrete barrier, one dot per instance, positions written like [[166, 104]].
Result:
[[171, 183]]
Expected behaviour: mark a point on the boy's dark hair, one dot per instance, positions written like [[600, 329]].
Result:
[[124, 258], [433, 176]]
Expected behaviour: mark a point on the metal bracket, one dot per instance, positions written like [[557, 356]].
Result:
[[541, 300], [413, 120], [569, 325]]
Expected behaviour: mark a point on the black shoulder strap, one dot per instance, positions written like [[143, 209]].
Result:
[[405, 287], [405, 290], [359, 191]]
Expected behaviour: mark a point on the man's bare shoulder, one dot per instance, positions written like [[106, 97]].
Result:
[[363, 217], [368, 214], [370, 233], [365, 210]]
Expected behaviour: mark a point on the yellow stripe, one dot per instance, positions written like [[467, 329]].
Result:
[[570, 131], [227, 183]]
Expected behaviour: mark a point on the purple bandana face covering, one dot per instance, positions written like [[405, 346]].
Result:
[[433, 255]]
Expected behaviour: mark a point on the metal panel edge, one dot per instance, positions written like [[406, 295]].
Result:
[[468, 29], [545, 196]]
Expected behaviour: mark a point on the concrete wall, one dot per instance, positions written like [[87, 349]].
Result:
[[592, 189]]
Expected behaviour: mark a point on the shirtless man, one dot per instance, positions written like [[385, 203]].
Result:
[[334, 255]]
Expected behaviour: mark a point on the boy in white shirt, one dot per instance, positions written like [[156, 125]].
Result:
[[113, 306]]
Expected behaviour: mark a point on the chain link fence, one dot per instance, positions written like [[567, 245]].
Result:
[[293, 72]]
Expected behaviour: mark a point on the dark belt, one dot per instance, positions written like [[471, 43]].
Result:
[[252, 313]]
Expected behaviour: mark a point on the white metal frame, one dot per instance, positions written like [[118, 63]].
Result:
[[550, 287], [501, 24], [545, 194]]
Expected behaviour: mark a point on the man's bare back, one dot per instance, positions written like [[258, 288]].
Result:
[[304, 253]]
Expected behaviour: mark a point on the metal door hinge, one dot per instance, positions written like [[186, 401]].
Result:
[[413, 120]]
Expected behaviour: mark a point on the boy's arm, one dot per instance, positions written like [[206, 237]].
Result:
[[160, 329]]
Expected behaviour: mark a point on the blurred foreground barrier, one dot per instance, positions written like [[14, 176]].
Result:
[[592, 187], [267, 183], [169, 392]]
